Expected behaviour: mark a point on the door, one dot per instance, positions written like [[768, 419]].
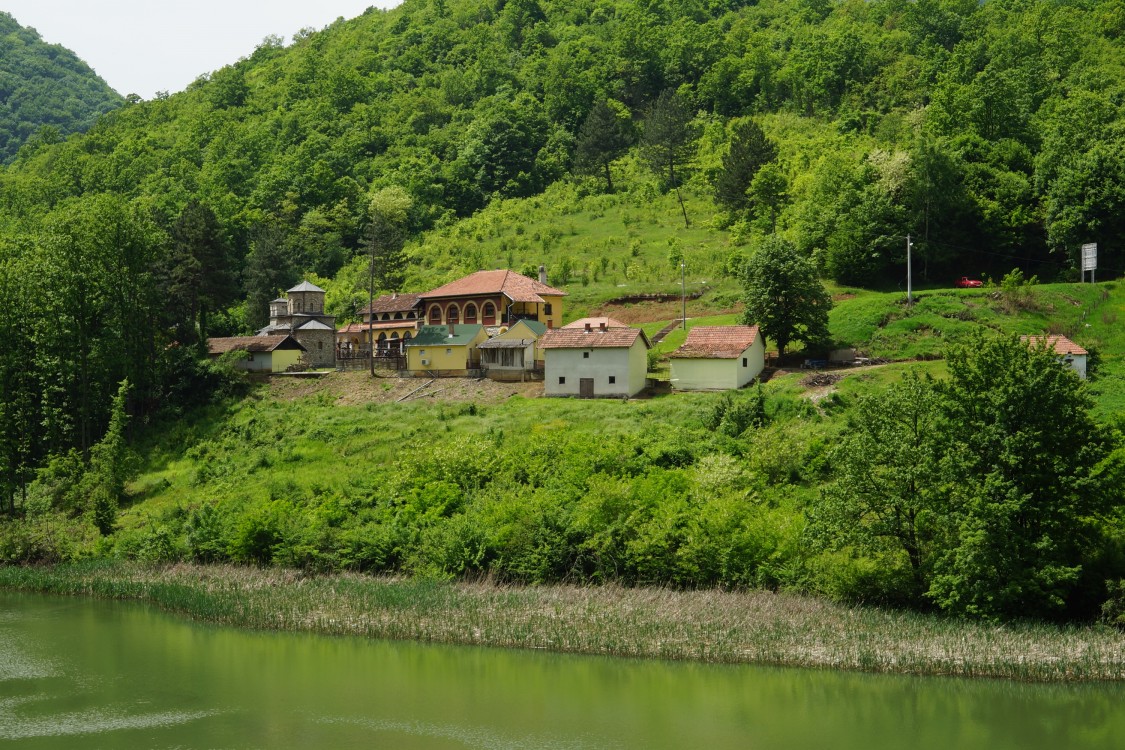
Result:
[[585, 387]]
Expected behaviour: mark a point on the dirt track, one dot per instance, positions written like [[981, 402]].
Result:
[[353, 388]]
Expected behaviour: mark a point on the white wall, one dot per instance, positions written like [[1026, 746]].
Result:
[[601, 364]]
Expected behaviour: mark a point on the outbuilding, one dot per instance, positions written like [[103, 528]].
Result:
[[514, 353], [1071, 354], [262, 353], [716, 358], [594, 362], [449, 350]]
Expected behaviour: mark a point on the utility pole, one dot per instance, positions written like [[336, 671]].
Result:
[[909, 280], [683, 295], [370, 307]]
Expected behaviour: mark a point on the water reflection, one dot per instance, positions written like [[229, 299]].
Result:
[[78, 674]]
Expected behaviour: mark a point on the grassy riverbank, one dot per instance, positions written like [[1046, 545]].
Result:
[[753, 628]]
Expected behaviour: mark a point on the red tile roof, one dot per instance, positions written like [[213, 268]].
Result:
[[717, 342], [512, 285], [596, 323], [580, 338], [1061, 344], [251, 344], [392, 303], [378, 325]]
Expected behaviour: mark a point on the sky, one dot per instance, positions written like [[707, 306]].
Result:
[[145, 46]]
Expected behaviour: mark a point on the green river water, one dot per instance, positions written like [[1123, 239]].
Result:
[[76, 673]]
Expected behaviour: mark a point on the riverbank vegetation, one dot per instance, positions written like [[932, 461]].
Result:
[[768, 488], [759, 627], [987, 132]]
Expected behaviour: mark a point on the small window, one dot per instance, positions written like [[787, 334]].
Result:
[[612, 379], [744, 361], [585, 355], [562, 380], [320, 345], [448, 351], [547, 309]]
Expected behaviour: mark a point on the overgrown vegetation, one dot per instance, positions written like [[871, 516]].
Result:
[[758, 627], [987, 131]]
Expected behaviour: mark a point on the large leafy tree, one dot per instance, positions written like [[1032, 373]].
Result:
[[1024, 466], [885, 498], [389, 212], [784, 296]]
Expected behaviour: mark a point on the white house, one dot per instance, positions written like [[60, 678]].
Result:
[[718, 358], [592, 362], [1069, 352]]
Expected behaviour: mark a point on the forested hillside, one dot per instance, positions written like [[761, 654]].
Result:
[[46, 92], [992, 133]]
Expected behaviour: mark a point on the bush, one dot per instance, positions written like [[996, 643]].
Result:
[[1113, 609]]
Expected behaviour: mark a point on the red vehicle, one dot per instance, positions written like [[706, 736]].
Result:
[[966, 283]]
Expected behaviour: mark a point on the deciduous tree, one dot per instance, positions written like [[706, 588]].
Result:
[[784, 296]]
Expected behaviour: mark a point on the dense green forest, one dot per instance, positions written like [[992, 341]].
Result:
[[46, 92], [605, 138]]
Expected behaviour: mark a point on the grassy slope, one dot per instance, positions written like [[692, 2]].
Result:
[[329, 444]]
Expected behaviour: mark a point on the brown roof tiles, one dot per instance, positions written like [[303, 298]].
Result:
[[392, 303], [1061, 344], [512, 285], [717, 342], [580, 338], [226, 344]]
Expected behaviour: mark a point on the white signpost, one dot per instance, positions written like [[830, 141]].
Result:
[[1089, 260]]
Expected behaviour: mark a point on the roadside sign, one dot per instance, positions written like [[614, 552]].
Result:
[[1089, 256]]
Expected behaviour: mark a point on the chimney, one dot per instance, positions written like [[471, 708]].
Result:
[[542, 274], [587, 328], [394, 295], [451, 330]]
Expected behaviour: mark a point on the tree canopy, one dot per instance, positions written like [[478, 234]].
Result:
[[784, 296], [46, 91]]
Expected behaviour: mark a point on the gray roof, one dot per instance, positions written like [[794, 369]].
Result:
[[306, 286], [314, 325], [506, 343]]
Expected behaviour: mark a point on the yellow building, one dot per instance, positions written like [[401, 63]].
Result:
[[445, 350], [493, 298]]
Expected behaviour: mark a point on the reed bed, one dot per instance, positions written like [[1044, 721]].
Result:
[[757, 627]]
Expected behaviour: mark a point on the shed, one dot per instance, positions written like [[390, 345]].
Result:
[[718, 358], [1069, 352], [263, 353]]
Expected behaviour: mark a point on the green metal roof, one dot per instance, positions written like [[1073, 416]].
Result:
[[536, 327], [463, 334]]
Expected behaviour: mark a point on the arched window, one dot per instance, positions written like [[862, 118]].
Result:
[[470, 313], [386, 316], [435, 315], [488, 314], [406, 336], [382, 341], [452, 315], [394, 335], [398, 316]]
